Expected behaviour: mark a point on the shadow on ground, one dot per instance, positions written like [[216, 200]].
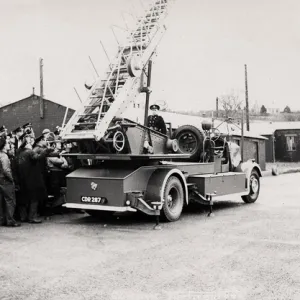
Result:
[[140, 219]]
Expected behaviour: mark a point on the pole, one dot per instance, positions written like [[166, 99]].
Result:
[[217, 107], [148, 93], [41, 90], [273, 146], [242, 135], [247, 99], [106, 54], [93, 66], [77, 95], [65, 117]]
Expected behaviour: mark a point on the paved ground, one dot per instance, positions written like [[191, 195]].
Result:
[[244, 252], [283, 167]]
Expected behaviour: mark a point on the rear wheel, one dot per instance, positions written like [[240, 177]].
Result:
[[101, 214], [190, 141], [173, 199], [254, 188]]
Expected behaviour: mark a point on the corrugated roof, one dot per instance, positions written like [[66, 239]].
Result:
[[31, 96], [265, 128]]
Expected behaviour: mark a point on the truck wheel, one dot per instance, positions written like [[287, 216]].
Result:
[[254, 188], [190, 140], [101, 214], [174, 199]]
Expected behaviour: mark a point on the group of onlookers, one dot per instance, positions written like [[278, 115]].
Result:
[[32, 173]]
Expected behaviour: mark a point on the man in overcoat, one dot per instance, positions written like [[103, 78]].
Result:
[[7, 187], [155, 121], [31, 180]]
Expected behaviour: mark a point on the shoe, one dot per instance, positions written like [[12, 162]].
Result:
[[14, 225], [35, 221]]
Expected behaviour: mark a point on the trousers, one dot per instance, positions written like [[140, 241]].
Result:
[[7, 203]]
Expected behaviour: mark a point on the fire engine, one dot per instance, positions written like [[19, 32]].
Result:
[[127, 166]]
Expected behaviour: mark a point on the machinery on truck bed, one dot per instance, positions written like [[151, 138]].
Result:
[[126, 166]]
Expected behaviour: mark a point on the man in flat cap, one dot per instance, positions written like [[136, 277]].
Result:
[[155, 121]]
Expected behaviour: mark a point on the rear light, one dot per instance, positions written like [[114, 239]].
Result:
[[103, 201], [127, 202]]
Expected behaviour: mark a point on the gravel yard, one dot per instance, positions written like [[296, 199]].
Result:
[[244, 252]]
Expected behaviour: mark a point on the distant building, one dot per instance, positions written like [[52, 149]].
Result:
[[27, 110], [273, 110], [283, 142]]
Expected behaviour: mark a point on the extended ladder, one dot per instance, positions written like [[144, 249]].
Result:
[[110, 96]]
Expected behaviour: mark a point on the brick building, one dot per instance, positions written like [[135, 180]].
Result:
[[29, 110]]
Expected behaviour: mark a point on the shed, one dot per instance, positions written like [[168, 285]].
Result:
[[283, 142], [27, 110]]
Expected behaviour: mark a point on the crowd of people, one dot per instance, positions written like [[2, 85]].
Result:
[[33, 171], [32, 174]]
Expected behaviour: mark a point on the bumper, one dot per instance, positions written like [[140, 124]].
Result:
[[99, 207]]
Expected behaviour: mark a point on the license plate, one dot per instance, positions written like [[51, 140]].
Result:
[[88, 199]]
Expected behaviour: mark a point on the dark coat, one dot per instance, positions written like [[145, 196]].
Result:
[[39, 149], [157, 123], [29, 169]]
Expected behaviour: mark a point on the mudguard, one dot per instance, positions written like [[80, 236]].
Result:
[[157, 182], [247, 167]]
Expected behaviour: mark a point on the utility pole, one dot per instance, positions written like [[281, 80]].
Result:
[[217, 107], [242, 134], [247, 100], [41, 90]]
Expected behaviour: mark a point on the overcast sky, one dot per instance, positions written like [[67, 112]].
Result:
[[201, 57]]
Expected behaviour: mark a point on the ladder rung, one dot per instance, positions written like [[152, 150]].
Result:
[[95, 96], [86, 115], [86, 123]]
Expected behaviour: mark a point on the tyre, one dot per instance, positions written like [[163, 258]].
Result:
[[190, 140], [174, 199], [254, 188], [100, 214]]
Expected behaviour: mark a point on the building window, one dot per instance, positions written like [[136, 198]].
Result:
[[290, 142]]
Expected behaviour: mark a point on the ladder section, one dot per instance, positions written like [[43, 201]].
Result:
[[110, 96]]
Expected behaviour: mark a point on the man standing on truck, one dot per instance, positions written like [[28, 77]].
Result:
[[155, 121]]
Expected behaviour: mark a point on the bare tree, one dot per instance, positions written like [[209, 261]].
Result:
[[231, 104]]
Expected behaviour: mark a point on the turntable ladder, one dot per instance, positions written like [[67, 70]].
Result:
[[111, 94]]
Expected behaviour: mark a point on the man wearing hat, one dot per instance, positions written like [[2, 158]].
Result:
[[7, 187], [31, 179], [28, 126], [46, 132], [155, 121], [3, 130], [17, 140]]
